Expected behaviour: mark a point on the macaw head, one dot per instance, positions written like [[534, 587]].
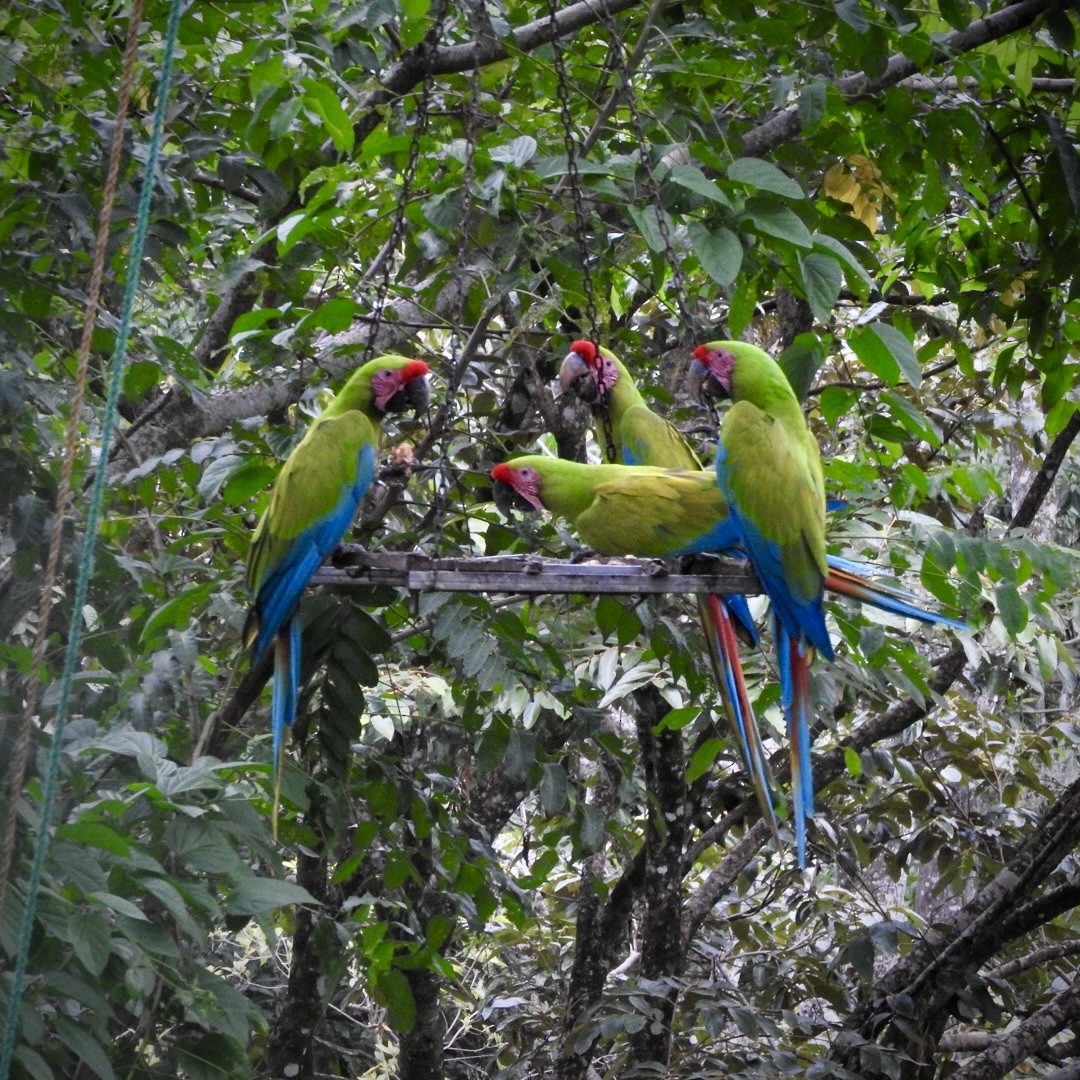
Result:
[[386, 384], [587, 372], [742, 372], [399, 387], [711, 370], [517, 487]]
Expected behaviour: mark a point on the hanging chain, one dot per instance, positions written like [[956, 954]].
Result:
[[397, 230], [580, 229], [600, 409], [652, 186]]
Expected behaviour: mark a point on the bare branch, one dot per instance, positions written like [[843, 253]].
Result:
[[1024, 1039], [787, 124]]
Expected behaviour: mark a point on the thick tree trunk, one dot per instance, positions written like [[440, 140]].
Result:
[[292, 1042], [420, 1051], [665, 842]]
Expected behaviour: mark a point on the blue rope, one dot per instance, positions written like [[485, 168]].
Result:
[[86, 563]]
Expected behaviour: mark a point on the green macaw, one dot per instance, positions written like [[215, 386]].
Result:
[[631, 433], [769, 467], [313, 503], [663, 513]]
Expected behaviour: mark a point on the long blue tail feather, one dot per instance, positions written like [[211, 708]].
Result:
[[898, 601], [794, 659]]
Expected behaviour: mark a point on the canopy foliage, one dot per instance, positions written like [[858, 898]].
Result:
[[476, 805]]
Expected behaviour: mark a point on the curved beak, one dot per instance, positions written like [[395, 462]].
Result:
[[574, 375], [418, 394], [508, 498], [415, 395], [704, 386]]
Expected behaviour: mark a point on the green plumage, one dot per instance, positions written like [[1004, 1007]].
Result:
[[624, 510], [773, 467], [319, 469]]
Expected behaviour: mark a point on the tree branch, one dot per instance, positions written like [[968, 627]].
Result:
[[787, 124], [1040, 486], [1025, 1039]]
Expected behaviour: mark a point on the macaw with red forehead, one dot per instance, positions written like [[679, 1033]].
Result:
[[630, 433], [769, 467], [313, 503]]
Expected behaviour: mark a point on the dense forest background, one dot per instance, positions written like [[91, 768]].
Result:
[[477, 872]]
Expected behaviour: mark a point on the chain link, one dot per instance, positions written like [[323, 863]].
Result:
[[652, 186], [580, 230], [397, 230]]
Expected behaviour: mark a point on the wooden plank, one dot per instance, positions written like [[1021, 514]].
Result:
[[353, 566]]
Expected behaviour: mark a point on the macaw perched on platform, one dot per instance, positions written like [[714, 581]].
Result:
[[663, 513], [631, 433], [313, 503], [769, 467]]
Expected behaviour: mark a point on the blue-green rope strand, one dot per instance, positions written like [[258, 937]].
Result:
[[86, 563]]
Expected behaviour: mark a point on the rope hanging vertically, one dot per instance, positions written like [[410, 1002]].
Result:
[[23, 736], [86, 562]]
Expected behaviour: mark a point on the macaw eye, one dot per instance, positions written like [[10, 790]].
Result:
[[526, 474]]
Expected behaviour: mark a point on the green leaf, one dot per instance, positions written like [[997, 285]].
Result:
[[393, 991], [93, 834], [177, 612], [647, 221], [1059, 415], [693, 179], [218, 471], [554, 789], [173, 902], [33, 1063], [119, 905], [1011, 608], [84, 1046], [718, 250], [334, 316], [254, 895], [902, 349], [822, 279], [875, 355], [210, 1056], [857, 277], [677, 719], [201, 844], [782, 222], [836, 401], [520, 753], [764, 176], [249, 479], [702, 760], [812, 104], [89, 937], [800, 362], [852, 762], [322, 100]]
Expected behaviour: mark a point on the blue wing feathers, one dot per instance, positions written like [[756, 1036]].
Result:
[[282, 588]]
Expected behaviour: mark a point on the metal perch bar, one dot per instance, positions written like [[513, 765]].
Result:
[[355, 565]]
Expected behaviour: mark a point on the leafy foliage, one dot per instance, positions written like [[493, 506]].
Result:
[[465, 791]]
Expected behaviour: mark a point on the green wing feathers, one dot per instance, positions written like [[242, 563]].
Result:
[[775, 479], [309, 486]]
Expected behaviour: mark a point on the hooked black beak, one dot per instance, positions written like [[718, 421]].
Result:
[[575, 376], [507, 498], [414, 395], [704, 386]]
